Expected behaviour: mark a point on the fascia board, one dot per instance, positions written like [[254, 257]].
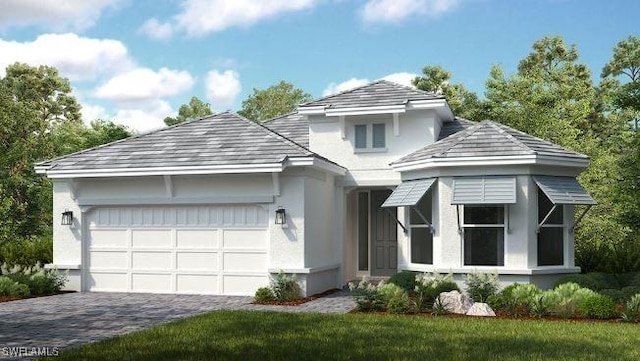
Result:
[[490, 161], [140, 172], [386, 109]]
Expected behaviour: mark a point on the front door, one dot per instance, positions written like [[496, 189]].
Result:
[[384, 240]]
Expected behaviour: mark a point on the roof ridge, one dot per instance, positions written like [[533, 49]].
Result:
[[271, 132], [342, 92], [509, 136], [510, 129], [279, 117], [381, 80], [461, 135]]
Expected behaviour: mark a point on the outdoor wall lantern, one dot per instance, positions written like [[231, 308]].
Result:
[[281, 216], [67, 217]]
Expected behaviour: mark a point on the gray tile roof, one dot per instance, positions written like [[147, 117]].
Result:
[[450, 128], [221, 139], [489, 139], [292, 126], [378, 93]]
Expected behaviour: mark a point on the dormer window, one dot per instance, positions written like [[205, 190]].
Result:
[[370, 137]]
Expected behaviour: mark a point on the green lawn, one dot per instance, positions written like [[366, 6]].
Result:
[[250, 335]]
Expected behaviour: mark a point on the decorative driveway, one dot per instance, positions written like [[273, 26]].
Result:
[[62, 321]]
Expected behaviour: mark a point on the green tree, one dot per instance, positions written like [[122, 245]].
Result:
[[463, 102], [70, 137], [194, 110], [276, 100]]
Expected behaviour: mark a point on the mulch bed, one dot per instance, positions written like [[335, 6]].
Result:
[[13, 298], [300, 301]]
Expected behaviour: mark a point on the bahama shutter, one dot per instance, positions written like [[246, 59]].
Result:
[[563, 190], [409, 193], [484, 190]]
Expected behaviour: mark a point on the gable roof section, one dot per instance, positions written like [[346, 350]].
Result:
[[292, 126], [489, 140], [220, 143], [378, 93]]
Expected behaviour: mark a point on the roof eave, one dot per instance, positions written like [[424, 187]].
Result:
[[533, 159]]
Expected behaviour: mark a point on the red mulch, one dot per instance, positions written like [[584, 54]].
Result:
[[13, 298], [299, 301]]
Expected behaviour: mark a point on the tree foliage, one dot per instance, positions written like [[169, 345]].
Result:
[[39, 119], [276, 100], [463, 102], [194, 110]]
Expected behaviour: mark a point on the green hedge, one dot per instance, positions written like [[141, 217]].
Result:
[[27, 251]]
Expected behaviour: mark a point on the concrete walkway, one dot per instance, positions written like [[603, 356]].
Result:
[[72, 319]]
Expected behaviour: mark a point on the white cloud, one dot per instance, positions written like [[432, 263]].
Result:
[[74, 14], [395, 11], [156, 30], [222, 88], [146, 118], [335, 88], [201, 17], [78, 58], [143, 84], [92, 112], [402, 78]]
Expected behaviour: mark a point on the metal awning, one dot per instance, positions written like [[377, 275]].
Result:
[[409, 193], [563, 190], [484, 190]]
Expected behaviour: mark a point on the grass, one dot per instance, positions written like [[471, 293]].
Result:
[[252, 335]]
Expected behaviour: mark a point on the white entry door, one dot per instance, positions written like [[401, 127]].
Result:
[[218, 249]]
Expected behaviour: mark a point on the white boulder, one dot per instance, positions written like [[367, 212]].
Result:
[[481, 309], [455, 302]]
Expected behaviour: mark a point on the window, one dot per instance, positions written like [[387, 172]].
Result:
[[370, 136], [551, 235], [361, 136], [483, 230], [421, 236]]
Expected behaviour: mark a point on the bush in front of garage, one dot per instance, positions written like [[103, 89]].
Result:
[[37, 279], [283, 288]]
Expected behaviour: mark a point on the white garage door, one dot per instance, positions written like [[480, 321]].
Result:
[[177, 249]]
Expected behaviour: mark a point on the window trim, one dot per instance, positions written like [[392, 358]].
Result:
[[544, 224], [369, 137], [504, 226], [429, 226]]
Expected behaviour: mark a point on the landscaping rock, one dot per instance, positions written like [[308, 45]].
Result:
[[481, 309], [455, 302]]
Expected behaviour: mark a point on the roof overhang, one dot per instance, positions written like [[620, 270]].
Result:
[[278, 167], [439, 105], [532, 159]]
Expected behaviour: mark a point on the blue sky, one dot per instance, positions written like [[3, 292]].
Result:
[[135, 62]]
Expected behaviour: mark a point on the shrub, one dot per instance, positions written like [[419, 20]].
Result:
[[396, 298], [285, 287], [631, 310], [616, 295], [629, 279], [598, 306], [404, 279], [595, 281], [482, 285], [264, 295], [27, 251], [563, 301], [39, 280], [516, 299], [429, 286], [629, 291], [9, 287], [367, 295]]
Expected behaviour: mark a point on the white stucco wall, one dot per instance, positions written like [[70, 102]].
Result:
[[417, 128]]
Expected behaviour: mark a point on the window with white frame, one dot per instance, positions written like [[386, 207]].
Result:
[[421, 236], [370, 136], [551, 233], [483, 228]]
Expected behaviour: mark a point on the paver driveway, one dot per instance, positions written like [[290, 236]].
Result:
[[75, 318]]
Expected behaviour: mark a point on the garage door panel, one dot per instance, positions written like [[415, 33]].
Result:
[[108, 238], [243, 284], [197, 261], [243, 261], [150, 238], [105, 281], [248, 238], [149, 282], [207, 284], [108, 260], [150, 260], [197, 238]]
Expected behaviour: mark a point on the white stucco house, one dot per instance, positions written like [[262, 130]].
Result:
[[370, 181]]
